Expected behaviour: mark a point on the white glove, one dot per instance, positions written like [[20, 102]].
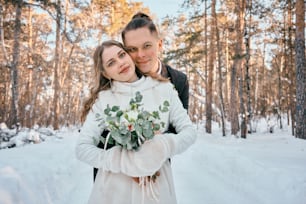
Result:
[[181, 141], [144, 162]]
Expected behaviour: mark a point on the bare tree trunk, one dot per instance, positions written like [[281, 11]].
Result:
[[14, 119], [256, 91], [206, 57], [280, 93], [227, 80], [235, 66], [209, 94], [300, 63], [219, 66], [241, 30], [263, 84], [32, 89], [291, 69], [285, 70], [3, 72], [56, 67], [6, 58], [243, 130], [247, 35], [194, 109], [233, 100]]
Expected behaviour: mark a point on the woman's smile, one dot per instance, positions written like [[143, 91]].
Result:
[[124, 70]]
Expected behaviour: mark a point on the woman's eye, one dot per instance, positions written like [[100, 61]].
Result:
[[111, 63], [121, 55]]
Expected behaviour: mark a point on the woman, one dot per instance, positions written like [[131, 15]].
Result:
[[119, 169]]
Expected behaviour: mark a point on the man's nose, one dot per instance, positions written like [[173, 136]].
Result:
[[140, 53]]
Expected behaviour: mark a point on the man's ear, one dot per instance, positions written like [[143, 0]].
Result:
[[160, 44], [160, 48]]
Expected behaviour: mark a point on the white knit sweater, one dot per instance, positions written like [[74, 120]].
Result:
[[117, 166]]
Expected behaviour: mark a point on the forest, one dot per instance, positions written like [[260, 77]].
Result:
[[244, 59]]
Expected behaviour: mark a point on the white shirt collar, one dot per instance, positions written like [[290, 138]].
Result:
[[159, 67]]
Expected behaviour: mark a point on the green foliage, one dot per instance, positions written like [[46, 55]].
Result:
[[132, 127]]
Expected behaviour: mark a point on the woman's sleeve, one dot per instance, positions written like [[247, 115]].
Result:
[[186, 132], [88, 139]]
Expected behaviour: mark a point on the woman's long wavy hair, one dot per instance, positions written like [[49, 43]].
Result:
[[100, 81]]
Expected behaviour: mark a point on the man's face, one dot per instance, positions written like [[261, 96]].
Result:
[[144, 48]]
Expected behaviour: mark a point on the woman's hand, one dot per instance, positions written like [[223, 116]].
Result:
[[148, 178]]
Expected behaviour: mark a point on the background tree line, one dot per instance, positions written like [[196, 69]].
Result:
[[244, 59]]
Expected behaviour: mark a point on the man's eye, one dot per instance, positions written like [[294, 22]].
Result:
[[131, 49], [146, 46]]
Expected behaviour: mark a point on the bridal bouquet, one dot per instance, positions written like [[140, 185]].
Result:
[[132, 127]]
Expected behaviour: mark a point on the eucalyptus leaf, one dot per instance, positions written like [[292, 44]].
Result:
[[148, 133], [138, 97], [115, 108], [107, 110], [131, 127], [156, 127], [119, 113], [166, 103]]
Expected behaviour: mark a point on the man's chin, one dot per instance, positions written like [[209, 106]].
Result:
[[144, 70]]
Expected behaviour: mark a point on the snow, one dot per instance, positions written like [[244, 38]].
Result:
[[265, 168]]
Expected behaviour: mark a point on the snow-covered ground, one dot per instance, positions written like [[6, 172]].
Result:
[[265, 168]]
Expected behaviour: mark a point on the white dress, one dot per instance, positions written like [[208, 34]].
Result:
[[117, 166]]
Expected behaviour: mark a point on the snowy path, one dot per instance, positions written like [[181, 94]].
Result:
[[264, 169]]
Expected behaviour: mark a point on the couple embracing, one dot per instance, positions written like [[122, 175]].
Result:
[[135, 119]]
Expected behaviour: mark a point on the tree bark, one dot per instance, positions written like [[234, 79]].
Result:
[[280, 93], [3, 71], [247, 34], [56, 67], [219, 66], [236, 65], [300, 62], [291, 69], [241, 30], [14, 119], [209, 90]]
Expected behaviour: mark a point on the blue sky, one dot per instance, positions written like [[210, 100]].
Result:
[[163, 8]]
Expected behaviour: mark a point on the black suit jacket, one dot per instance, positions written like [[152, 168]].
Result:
[[180, 82]]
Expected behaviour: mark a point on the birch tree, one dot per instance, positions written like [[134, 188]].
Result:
[[220, 78]]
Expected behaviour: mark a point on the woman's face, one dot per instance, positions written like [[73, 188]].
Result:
[[144, 48], [118, 65]]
